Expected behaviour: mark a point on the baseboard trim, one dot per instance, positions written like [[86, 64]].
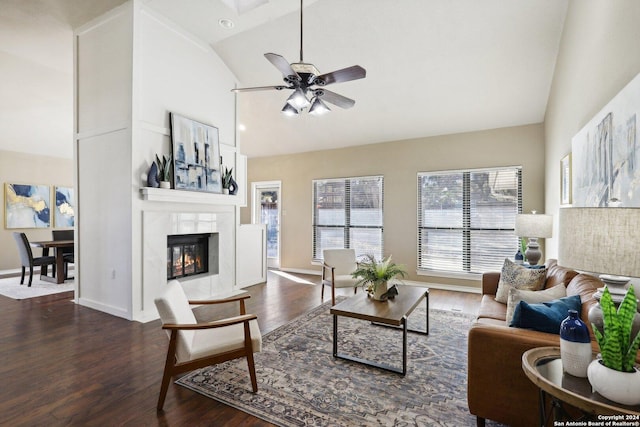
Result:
[[444, 287]]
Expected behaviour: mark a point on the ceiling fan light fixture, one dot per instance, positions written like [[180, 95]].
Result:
[[298, 99], [289, 110], [318, 108]]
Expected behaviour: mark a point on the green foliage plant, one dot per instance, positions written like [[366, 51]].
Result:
[[523, 247], [618, 348], [164, 168], [372, 272], [226, 178]]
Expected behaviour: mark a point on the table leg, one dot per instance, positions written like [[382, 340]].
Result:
[[335, 335], [59, 266], [404, 345], [426, 298]]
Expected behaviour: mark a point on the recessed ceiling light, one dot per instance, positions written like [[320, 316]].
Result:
[[226, 23]]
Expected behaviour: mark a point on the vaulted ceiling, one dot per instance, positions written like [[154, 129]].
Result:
[[433, 66]]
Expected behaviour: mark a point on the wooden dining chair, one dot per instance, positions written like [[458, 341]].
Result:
[[194, 345], [68, 254], [27, 259]]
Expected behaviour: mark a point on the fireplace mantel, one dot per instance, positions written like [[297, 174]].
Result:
[[179, 196]]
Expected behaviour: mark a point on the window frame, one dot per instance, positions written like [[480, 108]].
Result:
[[348, 226], [467, 227]]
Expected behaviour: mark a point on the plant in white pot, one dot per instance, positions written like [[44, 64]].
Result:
[[226, 180], [164, 171], [614, 374], [374, 276]]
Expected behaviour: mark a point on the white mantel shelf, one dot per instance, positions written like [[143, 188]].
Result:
[[179, 196]]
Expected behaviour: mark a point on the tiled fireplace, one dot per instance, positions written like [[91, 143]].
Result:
[[216, 228]]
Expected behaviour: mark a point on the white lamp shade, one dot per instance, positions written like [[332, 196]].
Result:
[[600, 240], [534, 225]]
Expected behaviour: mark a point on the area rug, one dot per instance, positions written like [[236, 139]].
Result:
[[11, 287], [301, 384]]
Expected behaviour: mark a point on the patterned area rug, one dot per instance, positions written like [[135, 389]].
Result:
[[11, 287], [301, 384]]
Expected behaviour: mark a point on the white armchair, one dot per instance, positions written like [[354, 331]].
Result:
[[336, 271], [194, 345]]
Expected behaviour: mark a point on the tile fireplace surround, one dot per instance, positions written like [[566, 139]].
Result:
[[157, 225]]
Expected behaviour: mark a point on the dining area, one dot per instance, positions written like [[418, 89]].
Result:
[[58, 254]]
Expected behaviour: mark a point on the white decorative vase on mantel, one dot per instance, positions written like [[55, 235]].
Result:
[[165, 184], [617, 386]]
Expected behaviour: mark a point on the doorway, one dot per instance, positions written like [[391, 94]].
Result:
[[266, 210]]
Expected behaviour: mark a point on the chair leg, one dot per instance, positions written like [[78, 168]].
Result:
[[31, 274], [168, 368], [22, 277], [252, 372], [322, 293], [480, 422], [333, 295]]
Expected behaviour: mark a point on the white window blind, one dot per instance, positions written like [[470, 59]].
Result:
[[347, 213], [466, 219]]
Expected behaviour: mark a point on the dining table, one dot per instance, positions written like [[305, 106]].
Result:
[[55, 244]]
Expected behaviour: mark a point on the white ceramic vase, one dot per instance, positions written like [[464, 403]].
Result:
[[381, 288], [165, 184], [620, 387]]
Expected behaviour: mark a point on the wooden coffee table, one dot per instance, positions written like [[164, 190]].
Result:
[[392, 313]]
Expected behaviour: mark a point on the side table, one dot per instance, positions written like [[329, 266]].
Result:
[[543, 367]]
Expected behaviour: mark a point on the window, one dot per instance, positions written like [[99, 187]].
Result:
[[347, 213], [466, 219]]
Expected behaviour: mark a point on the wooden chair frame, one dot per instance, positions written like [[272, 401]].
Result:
[[327, 282], [173, 368]]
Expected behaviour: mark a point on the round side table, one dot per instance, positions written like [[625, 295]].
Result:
[[543, 367]]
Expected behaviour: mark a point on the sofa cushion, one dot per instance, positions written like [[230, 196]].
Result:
[[519, 277], [545, 316], [517, 295], [557, 274]]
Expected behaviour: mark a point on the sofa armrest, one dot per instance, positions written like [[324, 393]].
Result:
[[490, 282], [497, 387]]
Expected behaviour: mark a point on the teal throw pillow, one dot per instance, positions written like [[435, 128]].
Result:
[[545, 316]]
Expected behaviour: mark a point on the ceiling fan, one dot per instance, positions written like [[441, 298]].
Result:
[[308, 84]]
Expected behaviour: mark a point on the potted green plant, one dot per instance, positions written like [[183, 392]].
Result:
[[226, 180], [614, 374], [374, 276], [164, 171]]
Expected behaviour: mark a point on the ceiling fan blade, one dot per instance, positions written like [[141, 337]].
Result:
[[281, 64], [334, 98], [354, 72], [252, 89]]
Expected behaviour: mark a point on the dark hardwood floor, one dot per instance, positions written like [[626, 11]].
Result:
[[63, 364]]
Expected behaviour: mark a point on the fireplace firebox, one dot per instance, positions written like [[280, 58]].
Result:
[[187, 255]]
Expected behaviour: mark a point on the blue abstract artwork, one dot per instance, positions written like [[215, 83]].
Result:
[[27, 206], [64, 215], [196, 154]]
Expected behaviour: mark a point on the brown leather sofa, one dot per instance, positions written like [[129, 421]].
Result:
[[497, 388]]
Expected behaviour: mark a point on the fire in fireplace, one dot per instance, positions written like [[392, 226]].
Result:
[[187, 255]]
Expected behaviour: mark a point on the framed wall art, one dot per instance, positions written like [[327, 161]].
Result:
[[64, 213], [27, 206], [565, 180], [196, 155], [606, 156]]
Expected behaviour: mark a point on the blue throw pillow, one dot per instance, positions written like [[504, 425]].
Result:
[[545, 316]]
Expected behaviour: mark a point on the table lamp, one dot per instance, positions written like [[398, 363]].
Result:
[[534, 226], [601, 240]]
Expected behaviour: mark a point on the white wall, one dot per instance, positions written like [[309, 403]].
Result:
[[134, 67], [598, 56]]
